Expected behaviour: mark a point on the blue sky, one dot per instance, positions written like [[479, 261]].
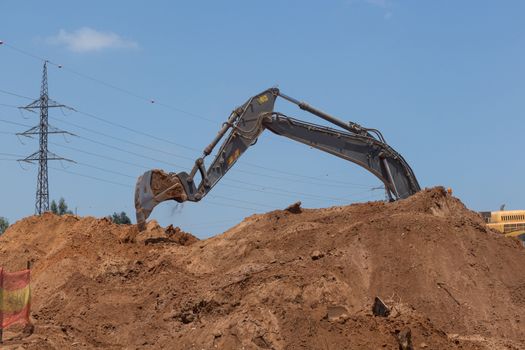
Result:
[[443, 80]]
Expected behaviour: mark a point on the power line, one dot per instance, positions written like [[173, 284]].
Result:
[[14, 123], [298, 180], [130, 186], [91, 177], [132, 177], [334, 183], [106, 121], [10, 154], [122, 140], [103, 144], [224, 179], [149, 100], [136, 131], [286, 191], [236, 187], [96, 142], [26, 53], [280, 192], [300, 175], [6, 105], [15, 94], [222, 204], [240, 200], [192, 159], [119, 139], [164, 140], [101, 156], [109, 85], [130, 93], [106, 170], [126, 151], [212, 196], [195, 149]]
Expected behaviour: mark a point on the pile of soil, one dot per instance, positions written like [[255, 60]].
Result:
[[287, 279]]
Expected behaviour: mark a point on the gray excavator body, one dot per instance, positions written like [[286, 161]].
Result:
[[362, 146]]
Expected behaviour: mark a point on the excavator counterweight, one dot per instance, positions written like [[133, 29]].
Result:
[[363, 146]]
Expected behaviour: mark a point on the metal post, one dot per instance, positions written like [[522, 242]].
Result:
[[1, 305], [29, 326]]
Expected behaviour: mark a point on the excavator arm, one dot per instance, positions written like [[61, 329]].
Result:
[[373, 155], [362, 146]]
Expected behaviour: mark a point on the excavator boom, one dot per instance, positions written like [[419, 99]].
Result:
[[362, 146]]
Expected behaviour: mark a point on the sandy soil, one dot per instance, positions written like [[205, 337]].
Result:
[[287, 279]]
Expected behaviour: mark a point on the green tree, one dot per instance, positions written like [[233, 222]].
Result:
[[120, 219], [60, 208], [4, 224], [54, 207]]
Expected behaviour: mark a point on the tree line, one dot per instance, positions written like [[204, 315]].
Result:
[[61, 208]]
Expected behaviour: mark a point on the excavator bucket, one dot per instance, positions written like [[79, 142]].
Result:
[[153, 187]]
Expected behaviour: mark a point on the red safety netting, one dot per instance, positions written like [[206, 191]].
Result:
[[15, 297]]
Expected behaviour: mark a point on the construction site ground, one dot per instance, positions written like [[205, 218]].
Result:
[[287, 279]]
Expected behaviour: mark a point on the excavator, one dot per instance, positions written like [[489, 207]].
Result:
[[363, 146]]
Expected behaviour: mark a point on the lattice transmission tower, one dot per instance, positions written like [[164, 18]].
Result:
[[43, 155]]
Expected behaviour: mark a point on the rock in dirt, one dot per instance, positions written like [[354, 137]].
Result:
[[155, 234], [187, 317], [336, 313], [404, 339], [294, 208], [177, 235], [316, 255], [379, 308]]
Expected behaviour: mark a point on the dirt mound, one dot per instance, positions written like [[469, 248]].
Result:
[[301, 279]]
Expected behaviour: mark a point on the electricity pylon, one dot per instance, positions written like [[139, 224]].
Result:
[[43, 129]]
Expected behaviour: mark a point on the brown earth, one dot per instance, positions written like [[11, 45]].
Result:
[[288, 279], [160, 180]]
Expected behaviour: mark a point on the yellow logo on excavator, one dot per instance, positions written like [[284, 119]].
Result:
[[234, 156], [262, 99]]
